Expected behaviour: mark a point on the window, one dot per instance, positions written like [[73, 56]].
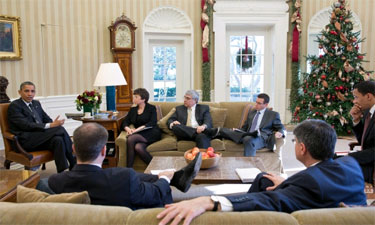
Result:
[[246, 67], [164, 71]]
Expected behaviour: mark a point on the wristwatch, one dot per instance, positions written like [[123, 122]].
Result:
[[216, 202]]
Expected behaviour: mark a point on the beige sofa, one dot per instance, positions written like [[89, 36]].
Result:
[[66, 213], [224, 114]]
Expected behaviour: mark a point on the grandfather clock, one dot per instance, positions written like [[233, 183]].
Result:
[[122, 32]]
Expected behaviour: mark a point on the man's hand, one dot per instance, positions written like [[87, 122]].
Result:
[[57, 122], [356, 113], [200, 129], [174, 123], [275, 179], [186, 210], [278, 134]]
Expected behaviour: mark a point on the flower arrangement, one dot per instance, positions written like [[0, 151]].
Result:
[[89, 99]]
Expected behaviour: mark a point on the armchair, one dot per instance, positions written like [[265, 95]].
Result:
[[14, 151]]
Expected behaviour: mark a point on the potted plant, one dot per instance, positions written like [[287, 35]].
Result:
[[89, 101]]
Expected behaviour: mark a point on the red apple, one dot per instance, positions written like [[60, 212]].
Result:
[[195, 151], [205, 155], [209, 149], [211, 154]]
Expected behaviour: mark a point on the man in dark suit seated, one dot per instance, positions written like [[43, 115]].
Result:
[[191, 120], [258, 129], [117, 186], [323, 184], [36, 130], [364, 127]]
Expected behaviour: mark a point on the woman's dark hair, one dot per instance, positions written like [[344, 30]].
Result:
[[143, 93]]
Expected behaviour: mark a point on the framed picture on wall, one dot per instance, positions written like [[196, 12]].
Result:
[[10, 38]]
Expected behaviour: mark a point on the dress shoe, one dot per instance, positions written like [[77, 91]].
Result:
[[182, 179], [212, 132]]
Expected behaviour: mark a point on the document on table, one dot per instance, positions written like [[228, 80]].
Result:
[[156, 172], [247, 174]]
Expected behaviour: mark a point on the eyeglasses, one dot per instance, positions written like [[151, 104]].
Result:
[[294, 140]]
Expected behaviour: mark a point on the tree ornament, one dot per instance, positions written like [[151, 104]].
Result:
[[340, 73], [323, 77], [333, 32], [325, 116], [360, 57], [347, 67], [347, 20], [343, 57], [349, 48], [328, 103], [317, 97], [338, 26], [325, 84], [337, 4]]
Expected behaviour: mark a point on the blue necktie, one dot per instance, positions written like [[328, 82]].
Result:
[[255, 122], [35, 113]]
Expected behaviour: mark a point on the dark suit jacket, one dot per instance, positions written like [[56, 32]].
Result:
[[147, 118], [270, 122], [324, 185], [367, 155], [113, 186], [202, 115], [21, 120]]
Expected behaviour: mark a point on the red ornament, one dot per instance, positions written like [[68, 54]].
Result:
[[341, 18], [336, 89], [304, 91], [316, 113], [341, 88], [360, 57], [333, 97], [357, 47], [320, 56], [317, 97], [333, 32], [354, 39], [349, 131], [323, 77], [310, 93]]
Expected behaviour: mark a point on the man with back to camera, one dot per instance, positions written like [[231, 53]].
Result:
[[191, 121], [36, 130], [258, 130], [323, 184], [362, 113], [117, 186]]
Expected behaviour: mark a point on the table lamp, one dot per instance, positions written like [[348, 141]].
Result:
[[110, 75]]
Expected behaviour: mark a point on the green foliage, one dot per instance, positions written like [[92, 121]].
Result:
[[326, 92], [206, 70]]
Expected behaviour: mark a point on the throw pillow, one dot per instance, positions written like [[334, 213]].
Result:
[[159, 114], [163, 122], [25, 194], [245, 112], [218, 116]]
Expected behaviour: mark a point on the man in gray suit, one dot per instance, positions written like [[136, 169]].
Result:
[[191, 121], [257, 131]]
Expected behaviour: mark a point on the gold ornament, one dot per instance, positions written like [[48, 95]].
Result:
[[325, 84], [338, 26], [349, 47], [340, 96], [347, 67]]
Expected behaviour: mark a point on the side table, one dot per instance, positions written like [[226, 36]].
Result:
[[112, 124], [9, 179]]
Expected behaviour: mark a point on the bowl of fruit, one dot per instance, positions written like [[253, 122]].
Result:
[[209, 157]]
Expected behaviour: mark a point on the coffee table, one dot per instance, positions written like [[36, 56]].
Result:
[[9, 179], [224, 173]]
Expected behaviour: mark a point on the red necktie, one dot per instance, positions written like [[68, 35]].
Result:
[[367, 123]]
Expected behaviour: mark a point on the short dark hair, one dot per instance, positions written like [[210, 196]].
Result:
[[26, 83], [318, 137], [89, 139], [365, 87], [143, 93], [265, 97]]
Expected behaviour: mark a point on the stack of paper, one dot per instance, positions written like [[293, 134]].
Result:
[[247, 174]]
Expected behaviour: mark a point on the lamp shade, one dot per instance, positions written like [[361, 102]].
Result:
[[109, 74]]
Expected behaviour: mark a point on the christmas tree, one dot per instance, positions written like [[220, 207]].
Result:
[[326, 92]]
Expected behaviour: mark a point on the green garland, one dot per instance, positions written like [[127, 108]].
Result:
[[294, 95], [206, 67]]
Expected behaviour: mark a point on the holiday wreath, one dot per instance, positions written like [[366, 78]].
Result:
[[247, 57]]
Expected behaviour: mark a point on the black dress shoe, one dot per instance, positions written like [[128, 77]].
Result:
[[212, 132], [182, 179]]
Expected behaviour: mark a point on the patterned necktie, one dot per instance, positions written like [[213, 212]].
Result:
[[188, 121], [34, 113], [255, 122], [367, 123]]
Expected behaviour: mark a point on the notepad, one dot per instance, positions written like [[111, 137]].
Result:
[[247, 174]]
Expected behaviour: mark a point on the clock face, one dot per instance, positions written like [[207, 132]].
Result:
[[123, 37]]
